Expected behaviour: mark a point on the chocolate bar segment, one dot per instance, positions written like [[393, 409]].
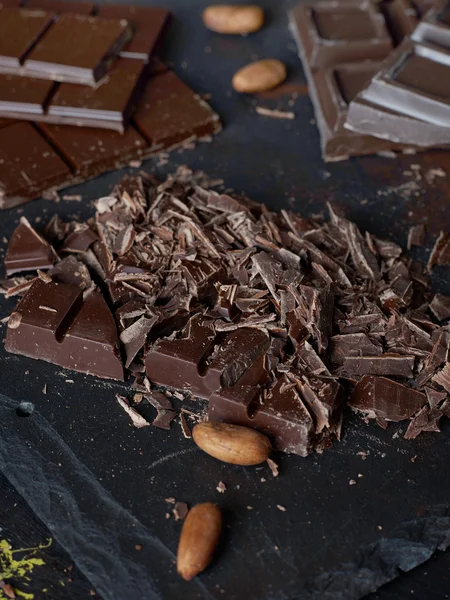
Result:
[[385, 400], [110, 105], [337, 68], [414, 81], [19, 31], [90, 154], [170, 113], [434, 28], [28, 165], [149, 25], [334, 33], [60, 56], [22, 98], [53, 323], [27, 250]]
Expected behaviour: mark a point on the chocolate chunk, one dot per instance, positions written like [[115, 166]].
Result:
[[440, 307], [164, 419], [59, 56], [57, 326], [71, 271], [352, 345], [176, 363], [416, 236], [440, 254], [80, 239], [427, 419], [385, 400], [27, 250], [134, 337], [170, 113], [442, 378], [385, 364]]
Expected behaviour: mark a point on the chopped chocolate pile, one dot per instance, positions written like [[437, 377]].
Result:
[[264, 314]]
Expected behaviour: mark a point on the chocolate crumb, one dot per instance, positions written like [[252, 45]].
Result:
[[273, 467], [180, 510], [221, 487]]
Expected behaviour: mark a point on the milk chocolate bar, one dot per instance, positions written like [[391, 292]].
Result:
[[69, 47], [41, 157], [107, 106], [341, 46]]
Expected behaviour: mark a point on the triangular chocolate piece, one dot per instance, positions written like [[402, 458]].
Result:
[[27, 250]]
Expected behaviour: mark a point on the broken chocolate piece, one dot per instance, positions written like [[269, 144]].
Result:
[[57, 326], [350, 345], [137, 419], [27, 250], [416, 236], [385, 400], [134, 337], [59, 56], [440, 307], [440, 254], [384, 364]]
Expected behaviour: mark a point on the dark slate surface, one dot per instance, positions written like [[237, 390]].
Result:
[[106, 464]]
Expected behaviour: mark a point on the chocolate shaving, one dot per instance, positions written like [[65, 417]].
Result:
[[416, 236], [440, 254], [180, 511], [137, 419]]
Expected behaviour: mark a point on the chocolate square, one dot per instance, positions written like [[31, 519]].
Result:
[[434, 28], [19, 31], [333, 33], [94, 151], [109, 105], [170, 113], [78, 49], [27, 163], [149, 24], [22, 95], [415, 81]]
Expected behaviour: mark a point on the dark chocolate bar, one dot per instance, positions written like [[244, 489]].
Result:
[[149, 24], [341, 46], [83, 153], [45, 46], [407, 100]]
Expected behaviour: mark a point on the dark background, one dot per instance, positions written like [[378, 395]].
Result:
[[267, 553]]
